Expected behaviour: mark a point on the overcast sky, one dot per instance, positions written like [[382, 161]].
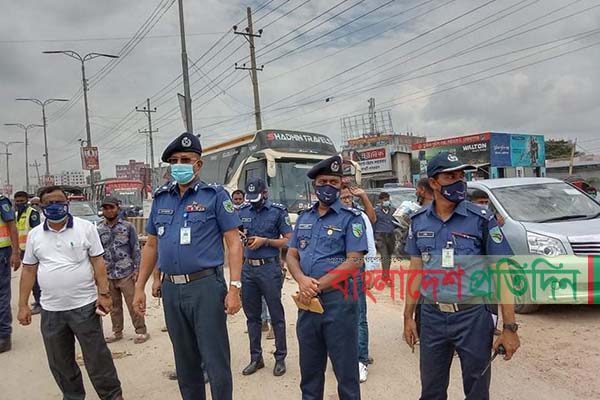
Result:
[[443, 68]]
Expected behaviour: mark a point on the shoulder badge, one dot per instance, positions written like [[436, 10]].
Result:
[[228, 206], [34, 216], [357, 230], [496, 235], [6, 207]]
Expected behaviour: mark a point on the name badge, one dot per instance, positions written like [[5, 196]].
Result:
[[185, 235], [448, 256], [425, 234], [165, 211], [246, 219], [305, 226]]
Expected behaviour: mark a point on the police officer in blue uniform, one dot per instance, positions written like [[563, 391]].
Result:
[[448, 234], [264, 224], [9, 258], [186, 227], [327, 236]]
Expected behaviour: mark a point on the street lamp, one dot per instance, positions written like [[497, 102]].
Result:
[[82, 60], [6, 145], [43, 104], [26, 128]]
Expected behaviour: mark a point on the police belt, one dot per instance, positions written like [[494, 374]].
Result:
[[257, 262], [187, 278], [451, 307]]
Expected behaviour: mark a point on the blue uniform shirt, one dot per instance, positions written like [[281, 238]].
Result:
[[386, 223], [207, 210], [474, 234], [323, 242], [270, 221]]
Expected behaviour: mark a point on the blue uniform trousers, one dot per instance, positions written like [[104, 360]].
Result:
[[258, 282], [5, 311], [363, 325], [470, 332], [332, 333], [197, 325]]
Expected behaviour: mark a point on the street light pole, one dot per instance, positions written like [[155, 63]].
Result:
[[6, 145], [26, 128], [82, 60], [185, 72], [43, 104]]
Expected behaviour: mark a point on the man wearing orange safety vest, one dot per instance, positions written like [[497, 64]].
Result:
[[9, 257], [27, 219]]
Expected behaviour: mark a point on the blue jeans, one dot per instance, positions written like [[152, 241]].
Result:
[[363, 326], [5, 311], [470, 332], [197, 326]]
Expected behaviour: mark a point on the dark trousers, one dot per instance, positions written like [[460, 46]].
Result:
[[332, 333], [470, 333], [197, 325], [5, 311], [265, 280], [385, 243], [363, 325], [59, 330]]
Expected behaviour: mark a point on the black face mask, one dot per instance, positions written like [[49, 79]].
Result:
[[257, 205]]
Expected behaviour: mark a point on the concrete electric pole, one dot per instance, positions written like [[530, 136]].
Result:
[[149, 112]]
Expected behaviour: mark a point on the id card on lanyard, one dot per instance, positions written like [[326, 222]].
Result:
[[448, 255], [185, 233]]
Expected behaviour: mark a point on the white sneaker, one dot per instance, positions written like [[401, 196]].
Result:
[[363, 372]]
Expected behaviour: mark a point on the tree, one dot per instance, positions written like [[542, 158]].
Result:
[[559, 148]]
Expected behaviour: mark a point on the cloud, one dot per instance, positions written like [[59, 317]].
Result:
[[556, 98]]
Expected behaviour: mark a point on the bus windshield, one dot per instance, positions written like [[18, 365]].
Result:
[[290, 186], [128, 197]]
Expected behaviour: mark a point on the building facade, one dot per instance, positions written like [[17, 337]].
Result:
[[137, 170]]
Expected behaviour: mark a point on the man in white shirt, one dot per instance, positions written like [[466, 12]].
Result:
[[369, 218], [65, 253]]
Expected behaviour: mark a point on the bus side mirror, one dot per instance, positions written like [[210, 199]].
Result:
[[271, 170]]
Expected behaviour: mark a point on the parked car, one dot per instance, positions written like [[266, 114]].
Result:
[[546, 217], [84, 210]]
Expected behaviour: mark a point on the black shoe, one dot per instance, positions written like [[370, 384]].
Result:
[[253, 367], [279, 368], [5, 345], [172, 375]]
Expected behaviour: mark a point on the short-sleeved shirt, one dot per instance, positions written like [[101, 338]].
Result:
[[474, 235], [207, 210], [65, 273], [6, 210], [122, 249], [371, 256], [386, 223], [271, 221], [324, 241]]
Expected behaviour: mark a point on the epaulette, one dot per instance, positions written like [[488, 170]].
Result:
[[164, 188], [280, 206], [353, 211], [418, 212], [217, 187], [480, 211], [245, 205]]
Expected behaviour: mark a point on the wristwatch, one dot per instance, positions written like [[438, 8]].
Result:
[[237, 284], [511, 327]]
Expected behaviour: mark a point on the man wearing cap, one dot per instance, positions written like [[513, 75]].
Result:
[[186, 227], [329, 240], [122, 258], [267, 228], [447, 235]]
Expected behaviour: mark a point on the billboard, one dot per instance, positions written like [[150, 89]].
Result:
[[89, 158], [374, 160], [509, 150]]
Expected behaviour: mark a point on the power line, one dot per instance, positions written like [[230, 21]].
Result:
[[110, 38]]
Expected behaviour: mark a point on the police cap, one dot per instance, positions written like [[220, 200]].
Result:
[[184, 142], [331, 166], [254, 187], [446, 162]]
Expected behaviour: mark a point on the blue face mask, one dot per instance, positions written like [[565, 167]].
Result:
[[327, 194], [56, 212], [455, 192], [182, 173]]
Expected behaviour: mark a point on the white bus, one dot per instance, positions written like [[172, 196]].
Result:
[[282, 158]]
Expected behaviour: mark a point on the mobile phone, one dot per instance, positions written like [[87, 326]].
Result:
[[101, 311]]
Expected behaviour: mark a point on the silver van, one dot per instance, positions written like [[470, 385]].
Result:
[[547, 218]]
